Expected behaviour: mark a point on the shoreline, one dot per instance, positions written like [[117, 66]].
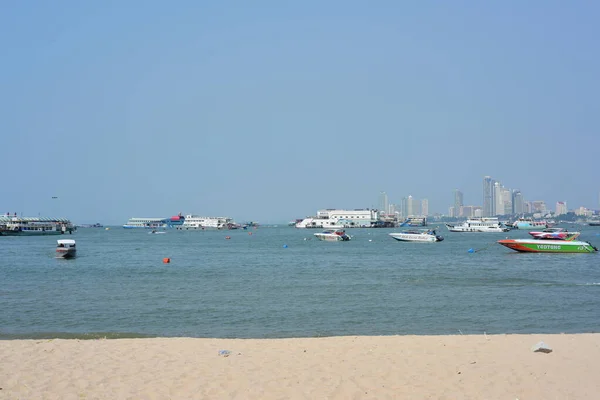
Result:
[[499, 366]]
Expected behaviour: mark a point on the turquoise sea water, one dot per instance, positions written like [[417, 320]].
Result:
[[253, 286]]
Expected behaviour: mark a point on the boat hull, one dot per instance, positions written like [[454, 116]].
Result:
[[548, 246], [66, 253], [30, 233]]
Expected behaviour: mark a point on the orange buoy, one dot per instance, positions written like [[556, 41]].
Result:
[[166, 260], [227, 237], [249, 233]]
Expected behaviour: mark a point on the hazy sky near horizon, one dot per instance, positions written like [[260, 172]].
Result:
[[270, 110]]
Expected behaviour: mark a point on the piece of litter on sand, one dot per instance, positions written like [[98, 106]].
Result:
[[224, 353], [541, 347]]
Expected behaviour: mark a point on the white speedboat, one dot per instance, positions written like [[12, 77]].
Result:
[[65, 248], [485, 224], [333, 235], [422, 235]]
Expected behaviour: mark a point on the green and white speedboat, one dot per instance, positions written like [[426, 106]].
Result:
[[548, 246]]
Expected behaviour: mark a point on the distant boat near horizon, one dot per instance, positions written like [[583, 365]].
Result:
[[34, 226]]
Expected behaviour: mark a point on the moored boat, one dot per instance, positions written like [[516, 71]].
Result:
[[333, 235], [530, 223], [65, 248], [554, 234], [415, 221], [548, 246], [484, 224], [422, 235], [34, 226], [196, 222], [146, 223]]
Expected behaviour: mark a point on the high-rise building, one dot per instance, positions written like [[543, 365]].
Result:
[[458, 201], [538, 206], [410, 206], [384, 205], [488, 197], [451, 212], [561, 207], [470, 211], [404, 207], [518, 206], [424, 207]]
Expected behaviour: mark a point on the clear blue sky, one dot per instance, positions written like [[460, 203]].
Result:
[[270, 110]]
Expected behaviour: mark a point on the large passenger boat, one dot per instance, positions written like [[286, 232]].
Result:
[[530, 223], [196, 222], [146, 223], [415, 221], [484, 224], [339, 219], [34, 226]]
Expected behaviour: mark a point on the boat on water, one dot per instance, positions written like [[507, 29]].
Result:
[[196, 222], [594, 222], [34, 226], [332, 235], [483, 224], [548, 246], [530, 223], [155, 232], [146, 223], [415, 221], [65, 248], [340, 219], [421, 235], [554, 234]]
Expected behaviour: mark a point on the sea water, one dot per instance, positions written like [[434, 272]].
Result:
[[281, 282]]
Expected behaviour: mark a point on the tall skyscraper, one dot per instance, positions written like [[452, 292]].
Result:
[[488, 196], [384, 205], [410, 206], [458, 202], [518, 204], [424, 207]]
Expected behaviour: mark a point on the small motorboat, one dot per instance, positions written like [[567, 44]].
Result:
[[155, 232], [554, 234], [333, 235], [65, 248], [420, 235]]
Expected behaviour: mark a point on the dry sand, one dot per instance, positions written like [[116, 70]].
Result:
[[382, 367]]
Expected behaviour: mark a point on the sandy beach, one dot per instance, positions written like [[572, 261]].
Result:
[[384, 367]]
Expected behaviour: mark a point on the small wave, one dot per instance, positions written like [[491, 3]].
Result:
[[68, 335], [589, 284]]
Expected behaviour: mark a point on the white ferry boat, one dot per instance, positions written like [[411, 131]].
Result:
[[339, 219], [485, 224], [530, 223], [34, 226], [415, 221], [196, 222], [146, 223]]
